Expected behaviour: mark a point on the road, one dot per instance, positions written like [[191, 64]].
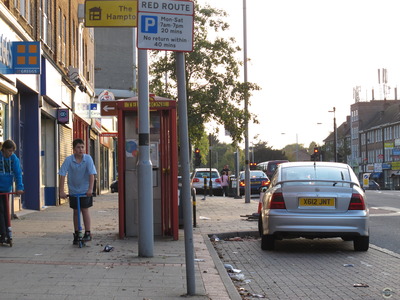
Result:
[[322, 268], [385, 219]]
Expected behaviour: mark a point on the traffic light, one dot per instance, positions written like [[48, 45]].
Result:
[[197, 157], [316, 154], [253, 166]]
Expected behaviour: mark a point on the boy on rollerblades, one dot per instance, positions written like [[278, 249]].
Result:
[[80, 169]]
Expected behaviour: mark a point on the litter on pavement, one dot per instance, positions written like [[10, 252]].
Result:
[[231, 269], [214, 238], [360, 285], [108, 248]]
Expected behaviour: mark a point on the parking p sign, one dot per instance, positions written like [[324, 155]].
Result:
[[165, 25], [149, 24]]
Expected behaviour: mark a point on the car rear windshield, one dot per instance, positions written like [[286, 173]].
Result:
[[207, 174], [254, 174], [315, 173]]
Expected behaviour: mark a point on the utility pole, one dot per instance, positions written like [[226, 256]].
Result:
[[246, 111], [334, 134]]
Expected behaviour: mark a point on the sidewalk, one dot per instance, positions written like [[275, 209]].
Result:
[[43, 263]]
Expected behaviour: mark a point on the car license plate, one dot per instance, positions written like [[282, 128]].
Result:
[[316, 201], [255, 182]]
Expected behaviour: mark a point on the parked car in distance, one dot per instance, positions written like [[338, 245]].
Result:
[[258, 179], [373, 185], [197, 180], [314, 200], [269, 166]]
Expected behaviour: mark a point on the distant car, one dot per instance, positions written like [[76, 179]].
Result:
[[269, 166], [200, 174], [314, 200], [114, 186], [258, 179]]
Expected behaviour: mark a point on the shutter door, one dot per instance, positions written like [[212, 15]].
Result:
[[65, 135], [65, 143]]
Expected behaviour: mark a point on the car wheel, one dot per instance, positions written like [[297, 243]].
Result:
[[361, 243], [267, 242]]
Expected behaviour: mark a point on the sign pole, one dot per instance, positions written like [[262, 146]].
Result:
[[145, 169], [184, 160], [168, 25]]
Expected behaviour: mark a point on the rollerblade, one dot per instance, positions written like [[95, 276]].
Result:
[[6, 240]]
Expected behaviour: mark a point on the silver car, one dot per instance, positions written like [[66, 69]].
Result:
[[314, 200], [201, 176]]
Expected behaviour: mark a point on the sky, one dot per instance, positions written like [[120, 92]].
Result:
[[308, 56]]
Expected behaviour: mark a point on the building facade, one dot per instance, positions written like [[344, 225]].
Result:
[[370, 141], [44, 111], [117, 75]]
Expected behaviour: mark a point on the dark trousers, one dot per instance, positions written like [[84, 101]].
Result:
[[225, 188], [3, 215]]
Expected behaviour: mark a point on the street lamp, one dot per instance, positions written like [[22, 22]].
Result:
[[246, 110], [334, 134]]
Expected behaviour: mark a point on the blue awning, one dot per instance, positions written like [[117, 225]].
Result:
[[376, 175]]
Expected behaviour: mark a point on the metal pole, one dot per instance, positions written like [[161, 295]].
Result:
[[134, 66], [145, 169], [246, 111], [185, 161], [237, 156], [335, 134], [210, 164]]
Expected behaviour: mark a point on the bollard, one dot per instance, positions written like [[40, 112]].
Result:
[[205, 188], [194, 207]]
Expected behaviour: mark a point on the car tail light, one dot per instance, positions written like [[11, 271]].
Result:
[[265, 183], [357, 202], [242, 183], [196, 180], [277, 201], [218, 180]]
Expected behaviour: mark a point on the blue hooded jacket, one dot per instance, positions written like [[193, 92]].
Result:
[[10, 170]]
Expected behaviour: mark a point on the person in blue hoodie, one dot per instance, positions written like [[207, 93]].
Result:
[[10, 171]]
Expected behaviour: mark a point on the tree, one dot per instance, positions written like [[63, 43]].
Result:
[[262, 152], [212, 71], [293, 151]]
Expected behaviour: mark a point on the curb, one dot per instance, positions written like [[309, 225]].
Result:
[[226, 280]]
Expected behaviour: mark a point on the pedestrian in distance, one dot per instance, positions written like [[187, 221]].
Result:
[[80, 171], [225, 183], [10, 171], [226, 170]]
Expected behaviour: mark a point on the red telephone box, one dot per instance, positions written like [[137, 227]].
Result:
[[164, 157]]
